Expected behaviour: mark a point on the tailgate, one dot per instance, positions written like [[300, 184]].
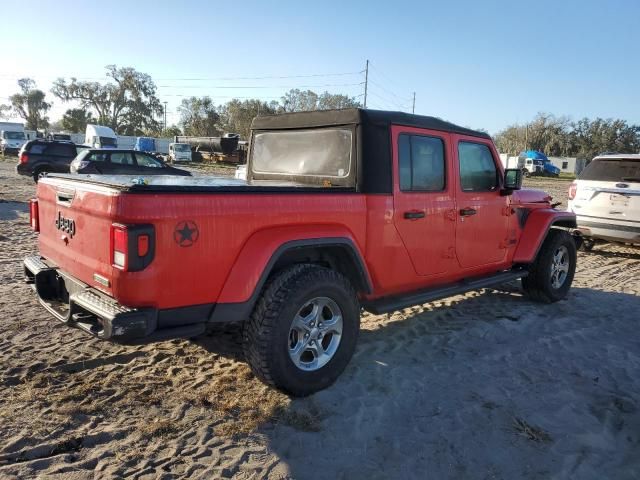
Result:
[[608, 200], [75, 228]]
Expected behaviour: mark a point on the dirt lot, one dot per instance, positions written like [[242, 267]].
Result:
[[484, 385]]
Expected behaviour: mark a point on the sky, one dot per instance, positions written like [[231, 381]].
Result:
[[482, 64]]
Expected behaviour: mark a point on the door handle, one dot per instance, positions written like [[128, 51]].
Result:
[[467, 212], [414, 215]]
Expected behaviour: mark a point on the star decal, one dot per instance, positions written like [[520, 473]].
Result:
[[186, 233]]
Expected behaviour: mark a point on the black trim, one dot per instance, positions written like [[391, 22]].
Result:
[[390, 304], [238, 312], [135, 262], [78, 305]]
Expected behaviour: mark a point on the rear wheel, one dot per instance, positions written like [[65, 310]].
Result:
[[551, 274], [38, 173], [304, 329]]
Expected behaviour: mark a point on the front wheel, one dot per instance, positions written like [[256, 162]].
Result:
[[304, 329], [39, 173], [551, 274]]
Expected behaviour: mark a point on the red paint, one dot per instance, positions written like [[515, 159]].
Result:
[[238, 234]]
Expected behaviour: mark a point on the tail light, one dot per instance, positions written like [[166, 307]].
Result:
[[33, 215], [573, 188], [132, 246], [24, 157]]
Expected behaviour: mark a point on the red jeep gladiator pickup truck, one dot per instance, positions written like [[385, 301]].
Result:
[[341, 210]]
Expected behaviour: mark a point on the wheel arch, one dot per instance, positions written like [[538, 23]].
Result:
[[253, 268], [539, 223]]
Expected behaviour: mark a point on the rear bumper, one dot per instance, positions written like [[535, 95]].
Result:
[[78, 305], [23, 169], [608, 230]]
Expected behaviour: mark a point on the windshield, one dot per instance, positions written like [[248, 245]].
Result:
[[612, 170], [108, 142], [181, 147], [14, 135], [318, 152]]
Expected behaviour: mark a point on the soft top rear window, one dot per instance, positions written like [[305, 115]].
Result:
[[612, 170], [321, 152]]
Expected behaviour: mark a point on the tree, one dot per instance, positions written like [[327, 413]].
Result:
[[558, 136], [236, 116], [332, 101], [171, 132], [128, 103], [29, 104], [198, 117], [75, 120]]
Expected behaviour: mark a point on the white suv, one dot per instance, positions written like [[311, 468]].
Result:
[[606, 199]]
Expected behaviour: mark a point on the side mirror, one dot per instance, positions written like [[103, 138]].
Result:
[[512, 180]]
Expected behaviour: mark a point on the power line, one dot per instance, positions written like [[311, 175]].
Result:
[[263, 86]]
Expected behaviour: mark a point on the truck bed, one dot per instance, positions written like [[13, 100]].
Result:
[[200, 184]]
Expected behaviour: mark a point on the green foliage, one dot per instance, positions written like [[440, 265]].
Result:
[[29, 104], [75, 120], [127, 103], [171, 132], [559, 136], [303, 101], [236, 115], [199, 117]]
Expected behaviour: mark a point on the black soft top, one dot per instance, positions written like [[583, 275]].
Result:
[[357, 116], [373, 131]]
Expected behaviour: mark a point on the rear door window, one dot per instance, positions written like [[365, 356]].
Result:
[[60, 150], [121, 158], [144, 160], [97, 157], [478, 172], [612, 170], [422, 163]]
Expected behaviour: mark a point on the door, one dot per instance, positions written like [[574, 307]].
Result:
[[424, 203], [482, 216], [121, 163]]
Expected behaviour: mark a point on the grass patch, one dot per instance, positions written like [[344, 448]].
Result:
[[530, 432]]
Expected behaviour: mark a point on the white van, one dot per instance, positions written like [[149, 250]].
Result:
[[179, 152], [99, 136], [12, 137]]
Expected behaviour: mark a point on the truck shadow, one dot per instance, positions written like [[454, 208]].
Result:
[[628, 254], [439, 390], [10, 210]]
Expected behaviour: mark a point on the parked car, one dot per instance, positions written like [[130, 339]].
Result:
[[606, 199], [39, 157], [341, 210], [121, 162], [12, 137]]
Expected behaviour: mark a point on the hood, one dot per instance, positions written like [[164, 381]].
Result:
[[530, 195]]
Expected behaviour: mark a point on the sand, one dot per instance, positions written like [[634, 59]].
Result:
[[484, 385]]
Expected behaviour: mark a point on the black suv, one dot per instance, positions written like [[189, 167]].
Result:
[[38, 157]]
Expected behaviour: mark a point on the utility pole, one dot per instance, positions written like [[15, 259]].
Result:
[[413, 109], [165, 116], [366, 83]]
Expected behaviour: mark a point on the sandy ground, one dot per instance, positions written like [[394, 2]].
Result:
[[485, 385]]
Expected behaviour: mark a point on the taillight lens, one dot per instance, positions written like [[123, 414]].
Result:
[[24, 157], [573, 188], [119, 246], [33, 215], [132, 246]]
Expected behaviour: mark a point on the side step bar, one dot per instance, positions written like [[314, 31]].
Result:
[[391, 304]]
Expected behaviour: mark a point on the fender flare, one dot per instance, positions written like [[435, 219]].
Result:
[[536, 229], [260, 254]]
